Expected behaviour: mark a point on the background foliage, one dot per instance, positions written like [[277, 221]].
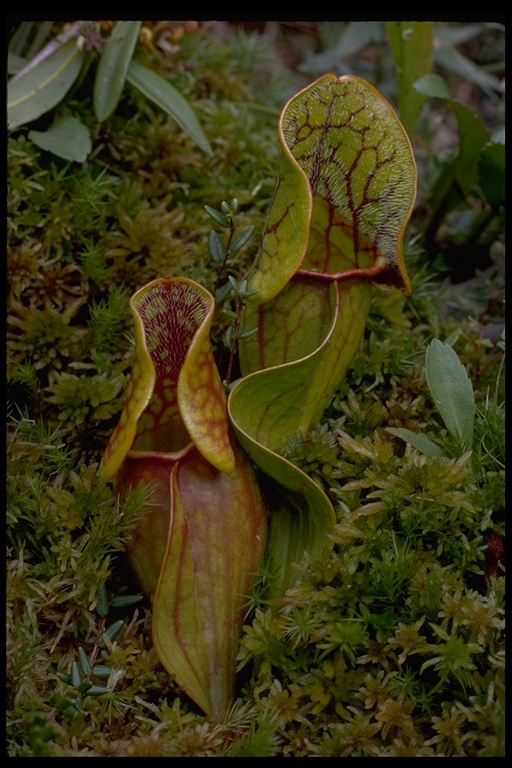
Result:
[[395, 645]]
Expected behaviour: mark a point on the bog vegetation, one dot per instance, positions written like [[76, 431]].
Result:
[[161, 160]]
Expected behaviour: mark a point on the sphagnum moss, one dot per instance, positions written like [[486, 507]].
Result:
[[394, 646]]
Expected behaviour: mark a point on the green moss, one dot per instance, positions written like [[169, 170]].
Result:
[[394, 645]]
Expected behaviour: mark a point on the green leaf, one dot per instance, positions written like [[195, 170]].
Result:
[[344, 195], [33, 94], [76, 677], [241, 239], [302, 517], [432, 85], [216, 247], [459, 174], [85, 664], [411, 45], [67, 138], [102, 601], [346, 162], [111, 632], [125, 601], [473, 136], [198, 547], [221, 219], [492, 174], [164, 95], [452, 391], [97, 690], [418, 440], [102, 671], [113, 67], [472, 133], [452, 338]]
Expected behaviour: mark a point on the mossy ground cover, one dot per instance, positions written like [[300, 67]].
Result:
[[394, 645]]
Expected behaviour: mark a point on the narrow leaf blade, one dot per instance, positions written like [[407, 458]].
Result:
[[113, 66], [418, 440], [164, 95]]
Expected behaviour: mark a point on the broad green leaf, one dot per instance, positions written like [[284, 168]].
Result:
[[33, 94], [165, 95], [343, 197], [197, 549], [491, 171], [67, 138], [411, 46], [418, 440], [452, 391], [113, 67], [473, 136]]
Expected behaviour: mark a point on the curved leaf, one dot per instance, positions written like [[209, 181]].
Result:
[[33, 94], [217, 538], [175, 393], [198, 546], [347, 162], [310, 333], [344, 195], [113, 67], [196, 552], [302, 517], [164, 95]]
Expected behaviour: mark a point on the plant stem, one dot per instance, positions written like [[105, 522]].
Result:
[[236, 331]]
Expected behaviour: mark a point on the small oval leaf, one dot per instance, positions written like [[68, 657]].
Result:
[[221, 219], [216, 247], [242, 239]]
